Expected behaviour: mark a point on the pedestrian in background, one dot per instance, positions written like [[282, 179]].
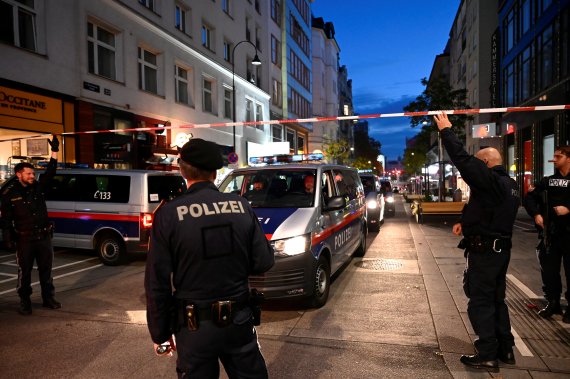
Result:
[[487, 225], [27, 230], [204, 245], [549, 205]]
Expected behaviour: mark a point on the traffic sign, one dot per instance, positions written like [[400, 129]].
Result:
[[232, 157]]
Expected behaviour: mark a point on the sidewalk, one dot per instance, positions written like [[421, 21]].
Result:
[[542, 346]]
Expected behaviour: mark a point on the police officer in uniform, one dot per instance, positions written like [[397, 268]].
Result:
[[549, 205], [26, 228], [204, 245], [487, 225]]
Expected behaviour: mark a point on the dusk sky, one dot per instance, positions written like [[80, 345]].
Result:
[[388, 47]]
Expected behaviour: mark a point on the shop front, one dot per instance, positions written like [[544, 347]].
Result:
[[28, 117]]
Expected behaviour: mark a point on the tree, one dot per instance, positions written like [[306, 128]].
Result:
[[337, 150], [438, 95], [366, 147]]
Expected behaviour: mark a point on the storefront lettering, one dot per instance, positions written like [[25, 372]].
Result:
[[22, 103]]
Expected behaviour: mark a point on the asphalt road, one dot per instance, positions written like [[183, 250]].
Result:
[[398, 312]]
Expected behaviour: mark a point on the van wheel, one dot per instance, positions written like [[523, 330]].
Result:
[[361, 250], [321, 283], [111, 250]]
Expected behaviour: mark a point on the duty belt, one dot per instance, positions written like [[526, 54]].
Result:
[[36, 233], [484, 243]]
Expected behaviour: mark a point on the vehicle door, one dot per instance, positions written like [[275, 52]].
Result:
[[104, 203], [349, 185], [61, 194]]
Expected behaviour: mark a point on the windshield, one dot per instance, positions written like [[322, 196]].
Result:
[[293, 188], [368, 183]]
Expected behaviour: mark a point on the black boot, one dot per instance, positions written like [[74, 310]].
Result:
[[566, 317], [475, 361], [25, 306], [51, 303], [553, 307]]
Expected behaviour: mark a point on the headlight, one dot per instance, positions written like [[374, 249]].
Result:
[[390, 199], [291, 246], [372, 204]]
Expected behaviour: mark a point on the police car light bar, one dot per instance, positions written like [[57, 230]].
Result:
[[282, 159]]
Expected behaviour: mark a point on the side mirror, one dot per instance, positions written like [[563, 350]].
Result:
[[335, 203]]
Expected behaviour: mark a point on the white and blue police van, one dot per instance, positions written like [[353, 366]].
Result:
[[110, 211], [313, 233]]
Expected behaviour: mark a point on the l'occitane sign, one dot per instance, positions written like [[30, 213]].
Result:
[[29, 105]]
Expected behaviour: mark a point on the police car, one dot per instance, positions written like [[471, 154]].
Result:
[[110, 211], [313, 231]]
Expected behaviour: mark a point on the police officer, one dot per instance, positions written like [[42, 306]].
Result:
[[487, 225], [26, 228], [204, 245], [549, 205]]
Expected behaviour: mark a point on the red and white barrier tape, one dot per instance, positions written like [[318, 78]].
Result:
[[321, 119]]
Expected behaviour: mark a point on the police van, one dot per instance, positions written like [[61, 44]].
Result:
[[110, 211], [313, 232]]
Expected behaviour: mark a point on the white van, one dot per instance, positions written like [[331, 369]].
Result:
[[313, 234], [108, 210]]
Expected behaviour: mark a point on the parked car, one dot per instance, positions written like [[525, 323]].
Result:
[[375, 201], [314, 233], [386, 189], [110, 211]]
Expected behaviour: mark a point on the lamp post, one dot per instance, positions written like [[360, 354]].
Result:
[[255, 62]]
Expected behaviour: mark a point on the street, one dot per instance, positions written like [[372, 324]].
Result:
[[398, 312]]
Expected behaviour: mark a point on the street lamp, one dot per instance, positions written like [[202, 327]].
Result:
[[255, 62]]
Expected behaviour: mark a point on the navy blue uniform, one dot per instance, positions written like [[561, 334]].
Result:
[[558, 228], [206, 244], [25, 222], [487, 225]]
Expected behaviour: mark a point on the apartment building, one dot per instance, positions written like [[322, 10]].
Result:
[[92, 66]]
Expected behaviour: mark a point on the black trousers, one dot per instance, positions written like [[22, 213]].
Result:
[[41, 251], [485, 283], [550, 260], [236, 346]]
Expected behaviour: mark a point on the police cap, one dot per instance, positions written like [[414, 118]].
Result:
[[202, 154]]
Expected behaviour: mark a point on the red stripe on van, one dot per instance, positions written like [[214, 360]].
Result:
[[317, 238], [93, 216]]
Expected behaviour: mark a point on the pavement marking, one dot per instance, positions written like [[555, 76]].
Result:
[[137, 317], [12, 277], [520, 345], [527, 291], [13, 263], [58, 277]]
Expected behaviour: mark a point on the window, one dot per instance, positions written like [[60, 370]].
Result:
[[148, 71], [247, 32], [275, 51], [277, 133], [509, 85], [276, 11], [228, 51], [258, 39], [525, 75], [509, 31], [226, 6], [257, 8], [207, 36], [525, 16], [208, 95], [300, 144], [180, 18], [18, 23], [150, 4], [258, 115], [181, 79], [303, 9], [546, 58], [101, 51], [298, 104], [547, 153], [249, 110], [228, 103], [290, 137], [276, 93], [299, 36], [300, 72]]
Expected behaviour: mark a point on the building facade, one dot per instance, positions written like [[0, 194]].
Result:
[[133, 64], [534, 70]]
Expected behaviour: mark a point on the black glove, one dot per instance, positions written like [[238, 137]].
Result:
[[54, 143]]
